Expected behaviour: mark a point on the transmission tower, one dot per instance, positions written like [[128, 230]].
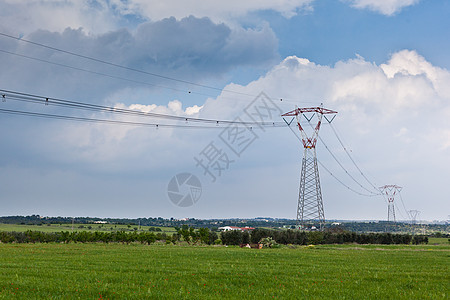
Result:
[[390, 191], [310, 204], [413, 215]]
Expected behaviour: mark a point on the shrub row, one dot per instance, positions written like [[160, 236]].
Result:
[[187, 234], [296, 237], [206, 236], [81, 237]]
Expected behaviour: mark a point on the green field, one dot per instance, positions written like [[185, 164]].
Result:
[[80, 227], [438, 241], [116, 271]]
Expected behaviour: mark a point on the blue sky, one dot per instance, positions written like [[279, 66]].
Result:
[[336, 31], [383, 65]]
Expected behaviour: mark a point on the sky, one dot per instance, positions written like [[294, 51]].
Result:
[[384, 66]]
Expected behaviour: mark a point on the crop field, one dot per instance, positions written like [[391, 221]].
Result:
[[135, 271]]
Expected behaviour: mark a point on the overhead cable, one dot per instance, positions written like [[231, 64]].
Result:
[[403, 204], [7, 94], [335, 177], [105, 121], [342, 166], [350, 157], [101, 74], [127, 68]]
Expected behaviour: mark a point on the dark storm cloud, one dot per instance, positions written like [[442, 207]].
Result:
[[188, 49]]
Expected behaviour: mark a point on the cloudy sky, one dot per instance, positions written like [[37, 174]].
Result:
[[384, 66]]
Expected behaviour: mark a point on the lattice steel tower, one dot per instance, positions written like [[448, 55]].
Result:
[[390, 191], [310, 204], [413, 214]]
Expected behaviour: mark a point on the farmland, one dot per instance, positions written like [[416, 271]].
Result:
[[89, 271]]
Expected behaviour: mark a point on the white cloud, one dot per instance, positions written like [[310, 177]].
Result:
[[445, 135], [217, 10], [96, 17], [392, 116], [385, 7], [410, 63], [23, 17], [97, 144], [370, 100], [174, 107]]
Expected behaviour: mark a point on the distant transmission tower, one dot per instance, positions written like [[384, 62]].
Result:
[[390, 191], [310, 204], [413, 215]]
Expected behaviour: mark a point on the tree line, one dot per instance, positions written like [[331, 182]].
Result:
[[191, 235], [297, 237], [184, 233]]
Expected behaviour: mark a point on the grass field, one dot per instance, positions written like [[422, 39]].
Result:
[[79, 227], [438, 241], [115, 271]]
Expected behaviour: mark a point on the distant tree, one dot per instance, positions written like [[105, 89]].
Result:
[[260, 233], [195, 236], [185, 233], [315, 237], [213, 237], [203, 234], [245, 237], [438, 234], [231, 237]]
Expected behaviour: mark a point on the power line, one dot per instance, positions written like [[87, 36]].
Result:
[[349, 156], [101, 74], [401, 214], [341, 182], [332, 175], [125, 79], [19, 96], [404, 207], [94, 120], [343, 168], [123, 67], [114, 64]]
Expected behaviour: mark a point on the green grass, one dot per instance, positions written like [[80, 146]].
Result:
[[438, 241], [79, 227], [115, 271]]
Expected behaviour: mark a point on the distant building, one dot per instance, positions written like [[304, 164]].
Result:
[[228, 228], [100, 222]]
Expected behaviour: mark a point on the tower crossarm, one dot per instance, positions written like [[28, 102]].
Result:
[[309, 141], [390, 191], [301, 110]]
